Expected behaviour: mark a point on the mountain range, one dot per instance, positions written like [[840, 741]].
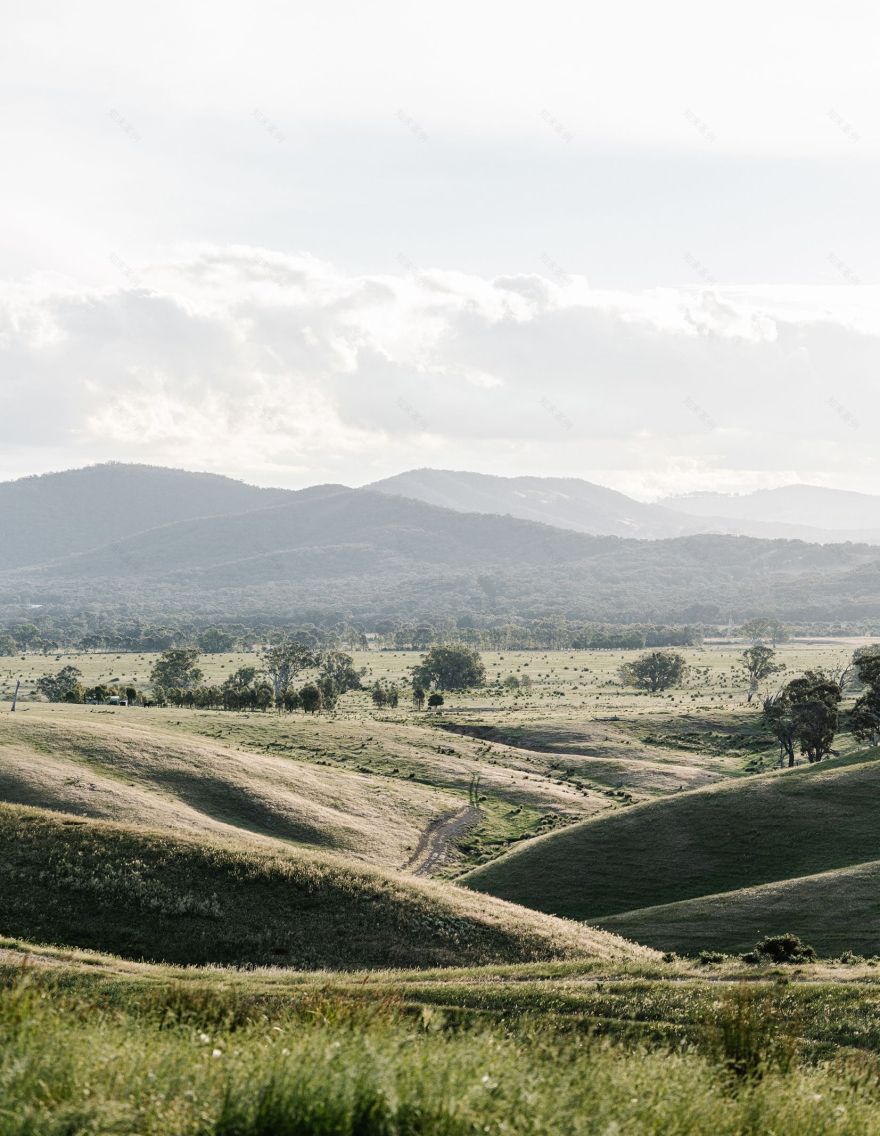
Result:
[[140, 539], [794, 512]]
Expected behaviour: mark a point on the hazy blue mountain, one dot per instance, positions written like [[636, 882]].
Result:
[[566, 502], [362, 553], [42, 518], [846, 515], [585, 507]]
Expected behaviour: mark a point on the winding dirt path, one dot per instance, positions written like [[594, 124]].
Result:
[[433, 846]]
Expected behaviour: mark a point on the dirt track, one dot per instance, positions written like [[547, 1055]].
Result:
[[434, 842]]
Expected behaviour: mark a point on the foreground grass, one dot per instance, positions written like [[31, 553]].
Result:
[[176, 1059]]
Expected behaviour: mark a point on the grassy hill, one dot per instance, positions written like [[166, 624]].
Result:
[[833, 911], [135, 770], [735, 835], [165, 897]]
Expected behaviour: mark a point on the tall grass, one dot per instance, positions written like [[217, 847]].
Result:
[[199, 1064]]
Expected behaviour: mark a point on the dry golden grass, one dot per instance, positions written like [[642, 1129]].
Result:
[[126, 767]]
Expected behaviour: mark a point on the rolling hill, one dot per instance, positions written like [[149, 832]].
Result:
[[668, 859], [139, 772], [833, 912], [163, 897]]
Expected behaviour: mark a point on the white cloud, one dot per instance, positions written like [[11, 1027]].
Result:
[[287, 370]]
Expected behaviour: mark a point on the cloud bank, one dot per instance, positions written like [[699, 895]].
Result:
[[287, 370]]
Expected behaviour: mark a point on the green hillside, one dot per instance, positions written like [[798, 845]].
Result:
[[734, 835], [163, 897], [833, 911]]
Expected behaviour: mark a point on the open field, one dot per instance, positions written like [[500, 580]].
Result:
[[90, 1043], [583, 680], [274, 961], [638, 801]]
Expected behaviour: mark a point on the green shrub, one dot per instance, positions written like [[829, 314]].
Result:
[[784, 948]]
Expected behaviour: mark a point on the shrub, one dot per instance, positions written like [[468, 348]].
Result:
[[784, 948]]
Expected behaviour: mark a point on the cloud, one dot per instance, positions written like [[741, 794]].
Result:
[[286, 370]]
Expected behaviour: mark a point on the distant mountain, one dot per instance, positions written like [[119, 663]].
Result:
[[572, 503], [358, 553], [566, 502], [42, 518], [846, 515]]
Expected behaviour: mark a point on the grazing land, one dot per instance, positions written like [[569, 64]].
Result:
[[381, 921], [92, 1043]]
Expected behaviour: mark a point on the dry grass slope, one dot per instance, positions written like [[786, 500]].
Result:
[[132, 770], [163, 897]]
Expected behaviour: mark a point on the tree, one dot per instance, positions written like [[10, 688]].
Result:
[[213, 641], [759, 662], [8, 645], [805, 713], [241, 679], [435, 701], [760, 629], [418, 696], [283, 661], [176, 668], [329, 692], [658, 670], [310, 698], [339, 667], [386, 694], [778, 719], [291, 701], [864, 718], [63, 686], [450, 668]]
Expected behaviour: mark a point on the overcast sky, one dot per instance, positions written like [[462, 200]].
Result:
[[328, 241]]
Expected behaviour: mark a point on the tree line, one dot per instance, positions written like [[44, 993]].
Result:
[[177, 679], [77, 632]]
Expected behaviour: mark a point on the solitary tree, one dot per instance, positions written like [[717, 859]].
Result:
[[805, 713], [658, 670], [176, 668], [435, 701], [63, 686], [283, 660], [310, 698], [339, 667], [418, 696], [759, 662], [450, 668], [864, 718]]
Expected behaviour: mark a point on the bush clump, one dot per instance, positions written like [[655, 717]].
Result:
[[781, 948]]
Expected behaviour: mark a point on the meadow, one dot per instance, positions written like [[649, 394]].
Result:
[[520, 914], [92, 1044]]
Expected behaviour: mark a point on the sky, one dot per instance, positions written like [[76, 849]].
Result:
[[312, 242]]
